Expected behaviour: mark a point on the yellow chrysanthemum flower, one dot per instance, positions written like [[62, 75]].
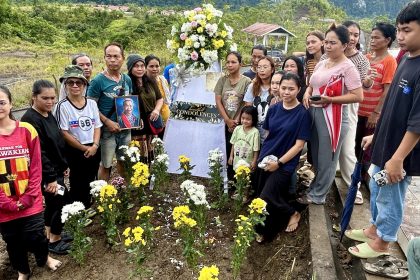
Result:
[[209, 273], [100, 209], [144, 209], [183, 159], [108, 191], [180, 211], [200, 29], [223, 34], [128, 242], [257, 205], [126, 232]]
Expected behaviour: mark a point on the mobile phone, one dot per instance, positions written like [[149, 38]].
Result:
[[381, 178], [60, 189], [315, 98]]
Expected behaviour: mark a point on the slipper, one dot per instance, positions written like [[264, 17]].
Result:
[[302, 169], [66, 236], [357, 235], [398, 262], [359, 198], [86, 222], [308, 175], [306, 183], [385, 268], [365, 251], [89, 213], [59, 247]]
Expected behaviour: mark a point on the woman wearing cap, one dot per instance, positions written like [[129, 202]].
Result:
[[21, 218], [78, 118], [151, 99]]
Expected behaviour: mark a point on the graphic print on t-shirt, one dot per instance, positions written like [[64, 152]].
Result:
[[84, 123], [14, 172], [262, 107], [232, 100]]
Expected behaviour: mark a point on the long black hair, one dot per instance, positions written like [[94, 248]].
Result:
[[147, 83], [6, 91]]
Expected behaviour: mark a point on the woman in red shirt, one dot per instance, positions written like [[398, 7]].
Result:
[[21, 219]]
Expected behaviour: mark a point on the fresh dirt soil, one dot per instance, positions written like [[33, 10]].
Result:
[[286, 257]]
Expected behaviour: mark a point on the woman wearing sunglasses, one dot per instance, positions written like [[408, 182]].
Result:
[[78, 118]]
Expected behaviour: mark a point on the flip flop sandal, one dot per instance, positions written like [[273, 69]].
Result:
[[365, 251], [308, 175], [359, 198], [385, 268], [306, 183], [89, 213], [357, 235], [59, 247], [302, 169], [66, 237], [402, 264]]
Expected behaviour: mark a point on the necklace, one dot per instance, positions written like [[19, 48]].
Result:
[[45, 114], [117, 80]]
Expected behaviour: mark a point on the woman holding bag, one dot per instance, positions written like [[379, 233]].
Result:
[[342, 73]]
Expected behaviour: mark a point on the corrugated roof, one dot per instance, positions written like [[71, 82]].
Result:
[[261, 29]]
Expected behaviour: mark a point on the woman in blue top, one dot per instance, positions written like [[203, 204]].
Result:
[[288, 125]]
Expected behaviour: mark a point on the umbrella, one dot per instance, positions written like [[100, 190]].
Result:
[[333, 112], [351, 195]]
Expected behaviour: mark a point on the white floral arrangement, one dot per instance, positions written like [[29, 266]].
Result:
[[69, 210], [201, 38], [195, 193], [215, 157], [162, 158], [131, 154], [95, 187], [158, 146]]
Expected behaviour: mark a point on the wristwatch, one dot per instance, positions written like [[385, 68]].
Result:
[[280, 164]]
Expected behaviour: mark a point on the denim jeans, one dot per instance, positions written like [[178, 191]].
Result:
[[387, 206], [413, 258]]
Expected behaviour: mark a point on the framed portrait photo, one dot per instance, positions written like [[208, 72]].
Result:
[[128, 111]]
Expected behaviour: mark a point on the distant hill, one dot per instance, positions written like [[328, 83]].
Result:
[[355, 8], [367, 8]]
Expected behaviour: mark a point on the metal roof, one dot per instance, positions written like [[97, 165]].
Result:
[[261, 29]]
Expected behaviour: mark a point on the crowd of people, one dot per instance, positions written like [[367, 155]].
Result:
[[331, 101]]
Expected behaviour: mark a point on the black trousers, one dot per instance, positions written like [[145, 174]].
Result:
[[273, 188], [53, 205], [82, 171], [228, 135], [25, 235]]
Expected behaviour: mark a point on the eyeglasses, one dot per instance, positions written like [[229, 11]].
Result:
[[263, 68], [78, 83]]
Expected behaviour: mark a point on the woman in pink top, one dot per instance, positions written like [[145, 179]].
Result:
[[21, 219], [337, 65]]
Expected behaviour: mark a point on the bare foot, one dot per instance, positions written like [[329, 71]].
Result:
[[53, 264], [23, 276], [293, 222]]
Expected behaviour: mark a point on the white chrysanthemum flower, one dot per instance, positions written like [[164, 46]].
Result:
[[71, 209], [95, 186]]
